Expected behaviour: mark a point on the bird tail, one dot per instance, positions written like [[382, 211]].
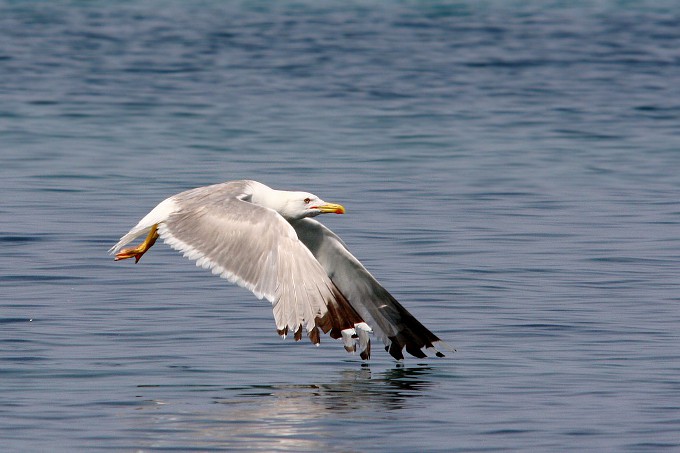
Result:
[[130, 236], [156, 216]]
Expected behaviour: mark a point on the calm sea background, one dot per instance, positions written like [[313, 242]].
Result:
[[511, 171]]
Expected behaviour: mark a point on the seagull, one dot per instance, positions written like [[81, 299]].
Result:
[[266, 241]]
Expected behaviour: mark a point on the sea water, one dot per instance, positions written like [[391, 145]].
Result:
[[511, 173]]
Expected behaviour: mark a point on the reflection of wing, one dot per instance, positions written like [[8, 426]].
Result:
[[391, 321]]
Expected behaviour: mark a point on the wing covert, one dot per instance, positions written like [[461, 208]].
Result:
[[256, 248]]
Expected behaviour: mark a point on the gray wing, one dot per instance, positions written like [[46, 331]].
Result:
[[397, 328], [256, 248]]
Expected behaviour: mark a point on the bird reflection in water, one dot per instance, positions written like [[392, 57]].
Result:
[[355, 390], [292, 416]]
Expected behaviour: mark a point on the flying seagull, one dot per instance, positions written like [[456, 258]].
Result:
[[266, 241]]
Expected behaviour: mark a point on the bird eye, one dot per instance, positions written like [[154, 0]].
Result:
[[307, 200]]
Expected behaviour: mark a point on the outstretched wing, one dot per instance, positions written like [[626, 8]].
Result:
[[256, 248], [397, 328]]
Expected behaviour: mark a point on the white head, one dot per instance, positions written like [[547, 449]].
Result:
[[294, 205], [297, 205]]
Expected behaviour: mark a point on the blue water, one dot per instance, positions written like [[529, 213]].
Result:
[[511, 172]]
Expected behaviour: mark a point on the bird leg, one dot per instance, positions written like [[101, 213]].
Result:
[[141, 249]]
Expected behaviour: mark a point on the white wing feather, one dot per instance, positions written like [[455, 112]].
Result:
[[247, 244]]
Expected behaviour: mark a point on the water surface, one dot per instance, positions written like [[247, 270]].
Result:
[[510, 172]]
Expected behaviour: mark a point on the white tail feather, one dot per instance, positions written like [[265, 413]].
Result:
[[156, 216]]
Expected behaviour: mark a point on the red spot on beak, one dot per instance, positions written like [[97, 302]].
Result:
[[330, 207]]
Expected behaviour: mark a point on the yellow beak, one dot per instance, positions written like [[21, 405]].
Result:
[[334, 208]]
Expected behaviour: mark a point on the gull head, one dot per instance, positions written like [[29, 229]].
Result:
[[297, 205]]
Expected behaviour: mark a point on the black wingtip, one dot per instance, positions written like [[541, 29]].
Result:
[[395, 349], [415, 352]]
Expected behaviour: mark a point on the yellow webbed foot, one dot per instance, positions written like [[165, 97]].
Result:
[[141, 249]]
